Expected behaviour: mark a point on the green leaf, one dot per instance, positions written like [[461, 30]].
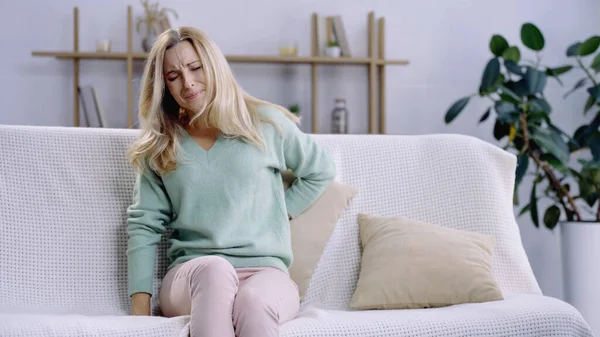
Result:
[[572, 50], [583, 134], [536, 80], [578, 85], [490, 76], [589, 104], [594, 145], [535, 117], [485, 116], [586, 190], [554, 162], [507, 112], [593, 126], [551, 217], [589, 46], [522, 165], [533, 209], [500, 80], [595, 92], [504, 108], [590, 166], [591, 198], [525, 209], [532, 37], [596, 63], [512, 54], [509, 95], [513, 67], [455, 109], [553, 143], [498, 45], [519, 88], [509, 98], [570, 140], [540, 104], [558, 70], [501, 129]]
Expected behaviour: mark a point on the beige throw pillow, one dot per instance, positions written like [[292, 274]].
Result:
[[312, 229], [408, 264]]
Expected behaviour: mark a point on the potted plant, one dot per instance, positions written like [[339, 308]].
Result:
[[152, 19], [580, 237], [295, 109], [523, 121], [333, 49]]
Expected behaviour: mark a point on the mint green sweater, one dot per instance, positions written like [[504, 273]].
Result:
[[228, 201]]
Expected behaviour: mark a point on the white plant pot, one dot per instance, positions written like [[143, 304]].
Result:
[[581, 269], [333, 51]]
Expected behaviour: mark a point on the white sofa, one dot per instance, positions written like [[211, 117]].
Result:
[[64, 193]]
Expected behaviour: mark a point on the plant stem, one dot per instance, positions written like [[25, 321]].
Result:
[[587, 72], [548, 172], [525, 133]]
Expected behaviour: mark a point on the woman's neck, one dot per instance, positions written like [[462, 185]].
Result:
[[200, 129]]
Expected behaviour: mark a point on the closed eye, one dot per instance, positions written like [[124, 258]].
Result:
[[173, 78]]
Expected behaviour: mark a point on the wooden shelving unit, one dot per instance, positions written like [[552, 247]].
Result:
[[375, 61]]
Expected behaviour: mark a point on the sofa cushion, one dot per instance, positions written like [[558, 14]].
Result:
[[311, 230], [409, 264], [517, 316], [521, 315], [73, 325]]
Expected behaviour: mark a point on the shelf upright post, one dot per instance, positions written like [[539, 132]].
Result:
[[314, 73], [129, 68], [76, 66], [382, 112], [372, 69]]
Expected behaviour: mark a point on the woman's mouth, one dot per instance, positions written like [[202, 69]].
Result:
[[193, 95]]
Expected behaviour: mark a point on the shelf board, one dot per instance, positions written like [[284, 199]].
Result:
[[82, 55], [230, 58]]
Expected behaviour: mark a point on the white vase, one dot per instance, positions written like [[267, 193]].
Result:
[[333, 51], [580, 243]]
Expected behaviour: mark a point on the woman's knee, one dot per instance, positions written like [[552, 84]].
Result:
[[251, 302], [211, 270]]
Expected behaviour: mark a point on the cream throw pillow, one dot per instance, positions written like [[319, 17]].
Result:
[[408, 264], [312, 229]]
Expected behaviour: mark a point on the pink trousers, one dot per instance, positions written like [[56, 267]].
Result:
[[225, 302]]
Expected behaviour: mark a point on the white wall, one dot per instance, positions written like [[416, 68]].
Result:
[[445, 41]]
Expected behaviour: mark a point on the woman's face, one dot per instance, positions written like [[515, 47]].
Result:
[[184, 76]]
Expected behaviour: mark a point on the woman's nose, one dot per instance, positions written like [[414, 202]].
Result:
[[187, 80]]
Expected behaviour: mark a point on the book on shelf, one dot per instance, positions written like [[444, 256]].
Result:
[[93, 115], [340, 35], [331, 29]]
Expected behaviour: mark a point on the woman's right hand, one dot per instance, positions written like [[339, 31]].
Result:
[[140, 304]]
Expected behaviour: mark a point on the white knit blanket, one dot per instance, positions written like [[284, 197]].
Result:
[[64, 192], [522, 315]]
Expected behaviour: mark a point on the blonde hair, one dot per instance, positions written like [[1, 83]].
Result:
[[227, 106]]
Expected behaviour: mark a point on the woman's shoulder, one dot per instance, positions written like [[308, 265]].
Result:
[[274, 114], [265, 110]]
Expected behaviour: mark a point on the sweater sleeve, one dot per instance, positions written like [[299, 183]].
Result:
[[147, 218], [312, 165]]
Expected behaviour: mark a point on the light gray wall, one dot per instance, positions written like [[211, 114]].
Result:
[[445, 41]]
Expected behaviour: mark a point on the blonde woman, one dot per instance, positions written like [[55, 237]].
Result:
[[209, 158]]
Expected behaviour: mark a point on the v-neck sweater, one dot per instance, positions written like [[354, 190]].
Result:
[[227, 201]]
